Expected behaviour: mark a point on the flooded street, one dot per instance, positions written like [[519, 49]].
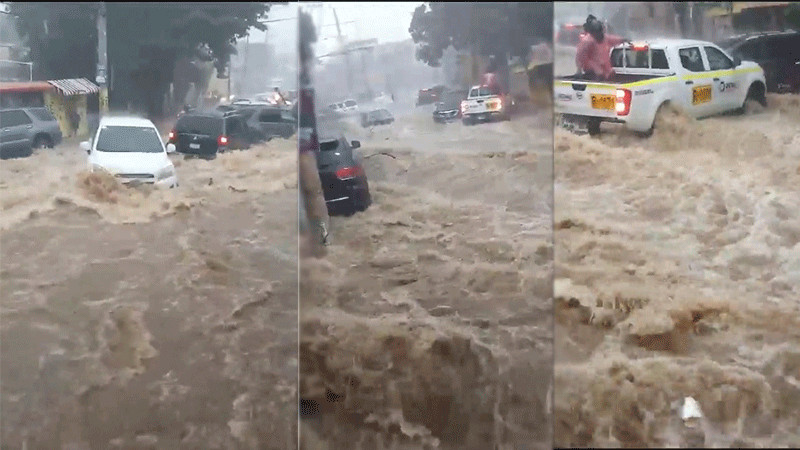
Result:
[[428, 325], [677, 275], [139, 318]]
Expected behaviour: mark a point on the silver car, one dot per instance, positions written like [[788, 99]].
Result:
[[25, 129]]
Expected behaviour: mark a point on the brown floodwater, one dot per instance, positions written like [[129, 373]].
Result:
[[429, 323], [140, 318], [677, 275]]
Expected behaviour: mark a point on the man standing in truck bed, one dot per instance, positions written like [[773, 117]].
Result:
[[594, 50]]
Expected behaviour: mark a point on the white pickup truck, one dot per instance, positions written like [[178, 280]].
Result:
[[483, 105], [697, 77]]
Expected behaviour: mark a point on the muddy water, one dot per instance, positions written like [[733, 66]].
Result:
[[139, 318], [677, 275], [429, 325]]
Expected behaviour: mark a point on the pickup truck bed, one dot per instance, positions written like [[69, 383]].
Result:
[[617, 78]]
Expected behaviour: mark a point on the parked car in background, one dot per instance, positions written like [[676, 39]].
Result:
[[268, 122], [778, 53], [383, 98], [449, 109], [430, 96], [24, 129], [345, 107], [208, 133], [130, 149], [569, 34], [376, 117], [265, 121], [344, 182]]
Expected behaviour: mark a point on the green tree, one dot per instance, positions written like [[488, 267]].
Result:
[[145, 41], [485, 28], [58, 35]]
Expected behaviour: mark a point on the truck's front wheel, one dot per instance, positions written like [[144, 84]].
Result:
[[756, 94], [467, 121]]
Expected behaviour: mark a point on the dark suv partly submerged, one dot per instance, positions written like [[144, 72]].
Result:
[[344, 182], [208, 133], [449, 109], [777, 52]]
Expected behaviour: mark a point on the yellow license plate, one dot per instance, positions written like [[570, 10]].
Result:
[[603, 102], [701, 94]]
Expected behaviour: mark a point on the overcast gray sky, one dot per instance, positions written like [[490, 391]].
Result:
[[386, 22], [283, 33]]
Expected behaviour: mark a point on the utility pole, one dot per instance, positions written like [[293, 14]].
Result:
[[102, 58]]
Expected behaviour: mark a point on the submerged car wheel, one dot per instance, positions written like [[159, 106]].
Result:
[[756, 95], [42, 141]]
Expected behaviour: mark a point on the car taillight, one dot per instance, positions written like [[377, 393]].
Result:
[[623, 102], [172, 135], [346, 173], [222, 140]]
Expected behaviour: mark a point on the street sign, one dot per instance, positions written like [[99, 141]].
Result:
[[101, 75]]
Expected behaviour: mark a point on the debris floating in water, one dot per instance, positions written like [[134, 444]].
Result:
[[691, 412]]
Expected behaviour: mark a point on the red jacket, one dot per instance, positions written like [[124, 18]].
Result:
[[490, 79], [596, 56]]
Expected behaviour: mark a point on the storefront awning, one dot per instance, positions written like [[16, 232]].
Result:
[[75, 86], [738, 7], [24, 86]]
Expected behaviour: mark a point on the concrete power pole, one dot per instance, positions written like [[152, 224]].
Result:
[[102, 58]]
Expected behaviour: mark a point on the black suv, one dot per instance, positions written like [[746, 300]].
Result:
[[449, 109], [208, 133], [344, 183], [778, 53]]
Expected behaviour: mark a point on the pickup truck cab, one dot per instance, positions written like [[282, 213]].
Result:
[[483, 104], [696, 76]]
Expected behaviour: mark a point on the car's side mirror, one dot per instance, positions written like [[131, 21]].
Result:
[[355, 144], [171, 148], [737, 61], [85, 145]]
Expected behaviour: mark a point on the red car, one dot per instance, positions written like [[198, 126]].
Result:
[[569, 34], [429, 96]]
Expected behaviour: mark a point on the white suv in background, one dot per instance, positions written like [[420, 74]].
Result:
[[131, 149]]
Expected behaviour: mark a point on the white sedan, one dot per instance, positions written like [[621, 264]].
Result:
[[131, 149]]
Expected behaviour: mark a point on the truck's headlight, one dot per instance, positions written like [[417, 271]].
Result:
[[165, 173]]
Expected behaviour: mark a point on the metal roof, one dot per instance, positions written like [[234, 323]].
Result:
[[75, 86]]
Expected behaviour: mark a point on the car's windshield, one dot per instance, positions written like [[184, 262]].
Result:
[[129, 139], [328, 146], [210, 126]]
